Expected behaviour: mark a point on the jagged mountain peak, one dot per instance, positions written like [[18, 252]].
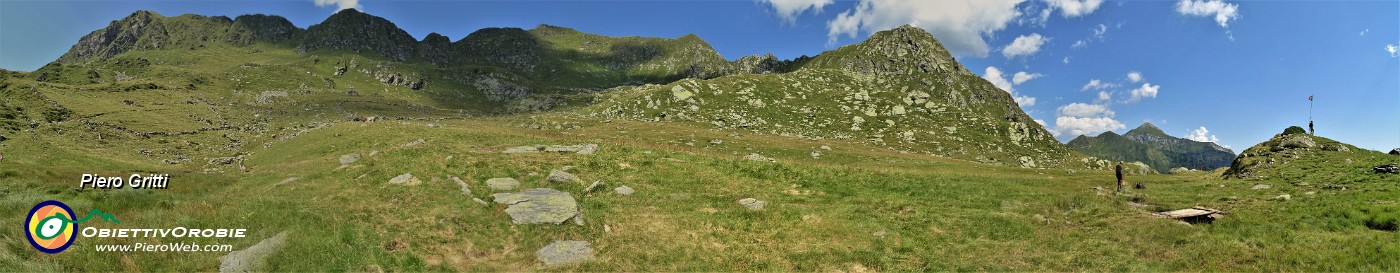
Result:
[[1147, 129], [903, 50], [361, 32]]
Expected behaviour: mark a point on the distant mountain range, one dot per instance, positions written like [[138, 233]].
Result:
[[1148, 144]]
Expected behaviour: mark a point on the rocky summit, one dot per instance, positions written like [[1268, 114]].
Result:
[[1149, 145]]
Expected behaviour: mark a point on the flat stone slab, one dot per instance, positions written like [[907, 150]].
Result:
[[253, 258], [538, 206], [558, 176], [350, 158], [406, 180], [624, 190], [564, 253], [752, 204], [563, 149], [502, 183]]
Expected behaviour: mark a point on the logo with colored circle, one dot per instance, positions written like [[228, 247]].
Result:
[[50, 227]]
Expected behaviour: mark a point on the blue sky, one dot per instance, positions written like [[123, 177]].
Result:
[[1242, 70]]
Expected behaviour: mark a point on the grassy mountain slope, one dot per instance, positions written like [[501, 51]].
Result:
[[890, 90], [252, 134], [1148, 144]]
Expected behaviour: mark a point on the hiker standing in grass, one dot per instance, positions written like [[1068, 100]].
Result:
[[1119, 171]]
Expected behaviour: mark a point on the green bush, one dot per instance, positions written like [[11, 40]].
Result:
[[1294, 130]]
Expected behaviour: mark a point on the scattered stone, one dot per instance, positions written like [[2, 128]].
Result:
[[222, 160], [502, 183], [537, 206], [1390, 168], [752, 204], [716, 142], [1283, 197], [253, 258], [350, 158], [824, 147], [479, 201], [1261, 186], [563, 149], [374, 152], [406, 180], [815, 154], [759, 157], [415, 143], [567, 168], [1194, 215], [1348, 161], [594, 186], [565, 253], [624, 190], [880, 234], [465, 189], [561, 177]]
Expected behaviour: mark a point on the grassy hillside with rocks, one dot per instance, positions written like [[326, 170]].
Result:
[[592, 153]]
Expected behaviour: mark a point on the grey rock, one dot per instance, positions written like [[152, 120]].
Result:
[[594, 186], [406, 180], [415, 143], [1390, 168], [222, 160], [1395, 151], [1283, 197], [565, 253], [624, 190], [502, 183], [759, 157], [563, 149], [538, 206], [1261, 186], [752, 204], [253, 258], [350, 158], [479, 201], [558, 176], [465, 189]]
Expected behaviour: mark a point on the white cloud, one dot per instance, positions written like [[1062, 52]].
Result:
[[1084, 110], [1075, 8], [1103, 97], [1100, 31], [998, 79], [1041, 122], [1066, 60], [1146, 91], [1223, 12], [1024, 101], [1134, 76], [1085, 119], [1392, 49], [340, 4], [788, 10], [1097, 85], [958, 24], [1364, 31], [1026, 45], [1022, 77], [1200, 135], [1079, 44]]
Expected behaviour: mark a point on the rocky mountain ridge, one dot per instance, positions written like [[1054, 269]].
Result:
[[1150, 145]]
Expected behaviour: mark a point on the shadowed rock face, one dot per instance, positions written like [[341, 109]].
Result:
[[360, 32], [538, 206]]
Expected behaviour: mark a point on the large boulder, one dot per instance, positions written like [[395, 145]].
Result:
[[564, 253], [502, 183], [253, 258], [558, 176], [538, 206]]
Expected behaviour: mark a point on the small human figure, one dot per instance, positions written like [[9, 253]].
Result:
[[1119, 171], [1310, 128]]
